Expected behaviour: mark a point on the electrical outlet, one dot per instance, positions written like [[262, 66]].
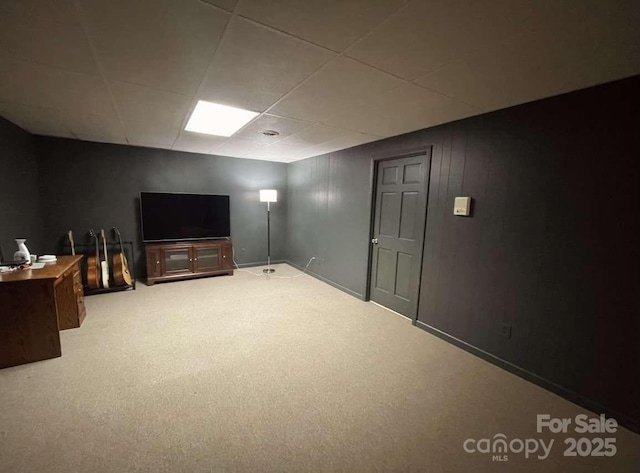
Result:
[[506, 331]]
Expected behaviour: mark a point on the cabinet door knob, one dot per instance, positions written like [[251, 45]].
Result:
[[195, 259], [157, 262]]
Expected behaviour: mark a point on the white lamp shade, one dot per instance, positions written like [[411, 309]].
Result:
[[268, 195]]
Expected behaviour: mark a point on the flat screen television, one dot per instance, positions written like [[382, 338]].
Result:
[[174, 217]]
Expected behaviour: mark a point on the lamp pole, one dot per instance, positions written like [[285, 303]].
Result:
[[268, 196], [268, 268]]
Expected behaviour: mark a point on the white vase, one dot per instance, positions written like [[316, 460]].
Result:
[[23, 252]]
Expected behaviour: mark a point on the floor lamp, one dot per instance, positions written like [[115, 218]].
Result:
[[268, 196]]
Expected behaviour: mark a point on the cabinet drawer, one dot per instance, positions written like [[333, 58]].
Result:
[[80, 302], [77, 281]]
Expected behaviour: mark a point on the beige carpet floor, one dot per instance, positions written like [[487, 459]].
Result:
[[246, 373]]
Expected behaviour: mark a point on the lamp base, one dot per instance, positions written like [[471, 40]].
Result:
[[268, 270]]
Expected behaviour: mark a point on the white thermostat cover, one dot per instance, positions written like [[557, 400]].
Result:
[[462, 206]]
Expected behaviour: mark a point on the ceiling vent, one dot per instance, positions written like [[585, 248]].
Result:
[[270, 133]]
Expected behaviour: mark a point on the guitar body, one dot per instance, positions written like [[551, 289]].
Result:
[[121, 273], [93, 275], [121, 270], [93, 267]]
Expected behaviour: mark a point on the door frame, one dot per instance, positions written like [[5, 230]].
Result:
[[373, 179]]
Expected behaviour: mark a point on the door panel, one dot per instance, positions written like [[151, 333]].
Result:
[[153, 263], [390, 175], [403, 273], [384, 271], [207, 258], [176, 260], [387, 224], [399, 220], [227, 256], [412, 173], [408, 209]]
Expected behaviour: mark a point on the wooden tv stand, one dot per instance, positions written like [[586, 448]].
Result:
[[185, 260]]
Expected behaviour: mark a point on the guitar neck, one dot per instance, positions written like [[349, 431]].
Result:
[[71, 242], [104, 248], [119, 240], [97, 249]]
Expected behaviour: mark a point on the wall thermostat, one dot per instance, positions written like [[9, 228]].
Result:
[[462, 206]]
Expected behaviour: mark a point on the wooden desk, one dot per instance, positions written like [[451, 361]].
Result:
[[35, 304]]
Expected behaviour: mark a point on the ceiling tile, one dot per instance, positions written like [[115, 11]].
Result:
[[36, 120], [96, 128], [284, 126], [42, 86], [157, 133], [238, 148], [348, 140], [427, 35], [401, 110], [277, 152], [51, 122], [228, 5], [164, 44], [336, 87], [45, 32], [137, 103], [255, 66], [197, 142], [313, 136], [150, 115], [147, 144], [334, 24], [569, 52]]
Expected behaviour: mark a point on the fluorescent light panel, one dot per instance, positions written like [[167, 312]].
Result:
[[220, 120]]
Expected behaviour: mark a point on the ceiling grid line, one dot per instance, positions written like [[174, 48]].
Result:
[[277, 30], [194, 101], [98, 63], [340, 55]]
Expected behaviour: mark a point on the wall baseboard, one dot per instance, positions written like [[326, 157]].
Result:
[[328, 281], [622, 419]]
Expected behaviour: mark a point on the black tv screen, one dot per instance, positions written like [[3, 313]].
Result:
[[171, 217]]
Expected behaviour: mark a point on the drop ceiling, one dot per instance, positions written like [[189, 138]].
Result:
[[327, 75]]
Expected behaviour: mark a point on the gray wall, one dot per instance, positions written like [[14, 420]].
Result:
[[328, 217], [552, 248], [20, 215], [93, 185]]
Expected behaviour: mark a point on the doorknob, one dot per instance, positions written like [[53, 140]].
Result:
[[374, 241]]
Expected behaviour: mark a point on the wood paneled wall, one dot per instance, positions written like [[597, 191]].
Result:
[[552, 250]]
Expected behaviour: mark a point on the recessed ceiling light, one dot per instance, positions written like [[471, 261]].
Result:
[[215, 119]]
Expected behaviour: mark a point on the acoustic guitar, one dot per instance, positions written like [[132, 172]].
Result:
[[93, 266], [121, 273], [104, 264]]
